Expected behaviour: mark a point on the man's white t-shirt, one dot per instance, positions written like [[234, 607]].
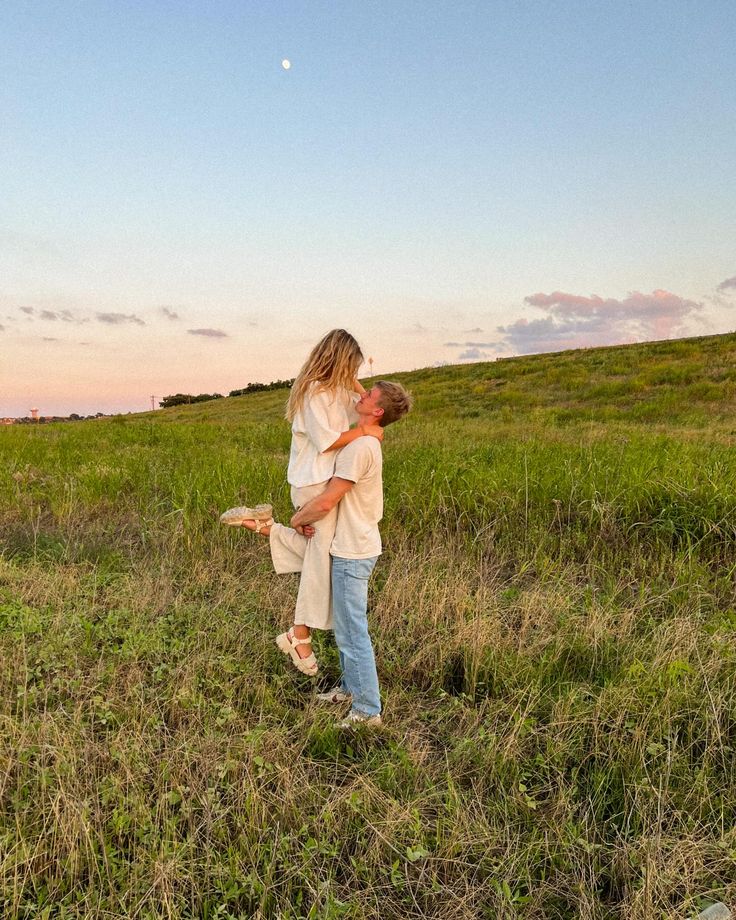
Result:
[[321, 420], [357, 535]]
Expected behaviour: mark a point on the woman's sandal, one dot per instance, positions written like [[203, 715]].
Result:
[[288, 642], [260, 525], [261, 514]]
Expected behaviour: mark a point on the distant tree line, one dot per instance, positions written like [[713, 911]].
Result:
[[47, 419], [184, 399], [260, 387]]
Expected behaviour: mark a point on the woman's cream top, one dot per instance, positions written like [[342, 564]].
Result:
[[321, 420]]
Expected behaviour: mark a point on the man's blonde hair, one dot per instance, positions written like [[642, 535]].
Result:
[[333, 363], [395, 402]]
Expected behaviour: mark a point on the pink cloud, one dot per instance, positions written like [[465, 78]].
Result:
[[576, 321], [560, 302]]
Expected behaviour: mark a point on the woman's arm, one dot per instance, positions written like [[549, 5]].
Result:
[[358, 386], [373, 431]]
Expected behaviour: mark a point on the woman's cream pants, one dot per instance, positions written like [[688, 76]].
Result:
[[291, 552]]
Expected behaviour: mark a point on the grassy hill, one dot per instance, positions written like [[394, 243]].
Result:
[[688, 381], [555, 624]]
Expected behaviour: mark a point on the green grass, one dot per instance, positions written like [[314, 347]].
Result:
[[555, 625]]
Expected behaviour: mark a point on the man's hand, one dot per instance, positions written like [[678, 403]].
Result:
[[373, 431], [321, 506], [306, 530]]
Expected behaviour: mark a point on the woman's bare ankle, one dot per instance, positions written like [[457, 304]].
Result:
[[302, 632]]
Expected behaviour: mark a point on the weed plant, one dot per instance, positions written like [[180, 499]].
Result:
[[555, 625]]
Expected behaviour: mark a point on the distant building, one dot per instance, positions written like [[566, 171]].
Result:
[[34, 414]]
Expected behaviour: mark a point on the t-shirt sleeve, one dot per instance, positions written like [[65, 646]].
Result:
[[354, 461], [317, 421]]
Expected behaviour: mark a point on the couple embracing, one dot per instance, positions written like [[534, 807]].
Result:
[[335, 474]]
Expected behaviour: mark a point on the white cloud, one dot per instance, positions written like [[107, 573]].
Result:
[[474, 354], [209, 333], [117, 319]]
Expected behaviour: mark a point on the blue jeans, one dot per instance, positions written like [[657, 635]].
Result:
[[350, 624]]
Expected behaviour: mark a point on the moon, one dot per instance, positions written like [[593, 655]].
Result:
[[286, 63]]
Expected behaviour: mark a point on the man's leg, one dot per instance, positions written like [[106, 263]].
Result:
[[350, 623], [343, 679]]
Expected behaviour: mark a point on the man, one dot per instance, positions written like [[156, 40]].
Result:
[[357, 488]]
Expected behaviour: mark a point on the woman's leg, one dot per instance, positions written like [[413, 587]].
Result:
[[314, 600], [291, 552], [287, 554]]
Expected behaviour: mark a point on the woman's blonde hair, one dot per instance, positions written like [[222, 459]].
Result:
[[333, 363]]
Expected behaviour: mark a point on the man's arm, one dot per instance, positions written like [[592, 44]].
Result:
[[320, 507]]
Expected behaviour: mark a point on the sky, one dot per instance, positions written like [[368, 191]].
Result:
[[451, 182]]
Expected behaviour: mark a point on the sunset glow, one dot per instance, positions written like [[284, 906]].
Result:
[[451, 183]]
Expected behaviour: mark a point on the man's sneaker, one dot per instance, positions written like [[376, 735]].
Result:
[[354, 719], [336, 695], [234, 517]]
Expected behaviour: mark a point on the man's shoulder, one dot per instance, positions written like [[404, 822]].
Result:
[[364, 450], [363, 446]]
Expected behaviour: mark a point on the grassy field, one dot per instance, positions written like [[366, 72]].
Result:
[[555, 625]]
